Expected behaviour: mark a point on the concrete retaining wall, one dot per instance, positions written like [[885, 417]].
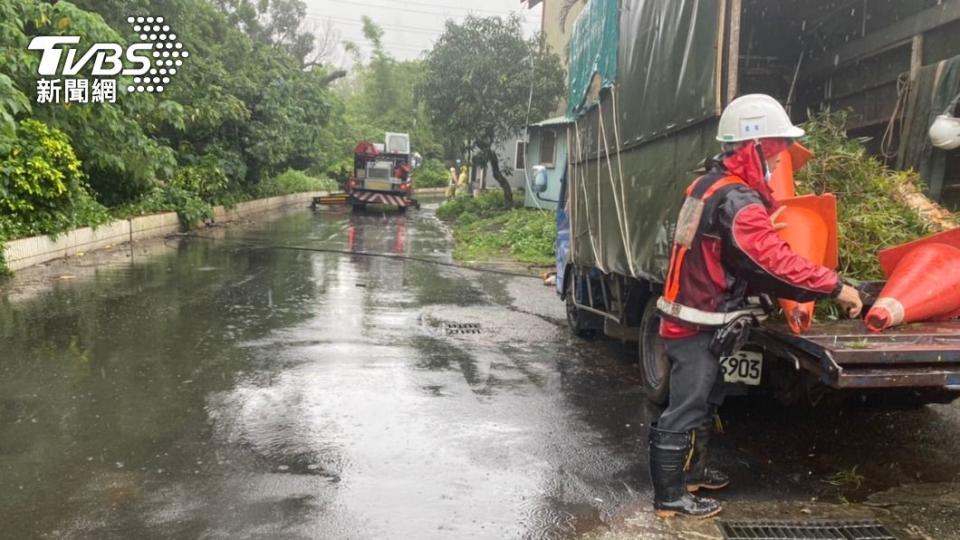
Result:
[[250, 208], [27, 252], [154, 225]]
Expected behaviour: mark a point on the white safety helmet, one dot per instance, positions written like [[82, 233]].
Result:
[[945, 132], [755, 116]]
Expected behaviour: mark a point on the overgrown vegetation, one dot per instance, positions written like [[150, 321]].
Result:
[[247, 105], [193, 208], [42, 187], [465, 209], [293, 181], [190, 208], [432, 174], [253, 112], [522, 234], [869, 215], [487, 230]]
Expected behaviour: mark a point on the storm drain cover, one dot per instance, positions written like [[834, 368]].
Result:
[[804, 530], [460, 328]]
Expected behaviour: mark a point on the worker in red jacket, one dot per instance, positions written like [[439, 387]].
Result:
[[726, 248]]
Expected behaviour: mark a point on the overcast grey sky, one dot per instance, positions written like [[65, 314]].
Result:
[[410, 27]]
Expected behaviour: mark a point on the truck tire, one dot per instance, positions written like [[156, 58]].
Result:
[[578, 320], [654, 364]]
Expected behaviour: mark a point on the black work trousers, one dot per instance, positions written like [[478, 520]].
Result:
[[696, 383]]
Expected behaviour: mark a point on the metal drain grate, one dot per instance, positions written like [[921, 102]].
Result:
[[460, 328], [804, 530]]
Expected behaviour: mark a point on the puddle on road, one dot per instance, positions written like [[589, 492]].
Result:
[[228, 389]]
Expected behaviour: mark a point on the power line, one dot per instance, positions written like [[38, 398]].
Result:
[[362, 40], [396, 27], [444, 6], [390, 46], [394, 8], [441, 6], [413, 29]]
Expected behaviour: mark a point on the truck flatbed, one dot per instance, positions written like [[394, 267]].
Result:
[[845, 355]]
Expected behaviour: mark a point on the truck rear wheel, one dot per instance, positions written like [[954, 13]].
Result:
[[578, 320], [654, 364]]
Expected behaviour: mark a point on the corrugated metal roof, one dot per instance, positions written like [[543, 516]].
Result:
[[557, 121]]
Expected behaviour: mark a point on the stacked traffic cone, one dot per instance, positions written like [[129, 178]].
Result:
[[791, 160], [811, 229], [923, 282], [811, 232]]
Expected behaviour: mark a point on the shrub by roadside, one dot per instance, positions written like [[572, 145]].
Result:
[[293, 181], [485, 230], [431, 174], [467, 209], [76, 208], [192, 208], [523, 234], [42, 187]]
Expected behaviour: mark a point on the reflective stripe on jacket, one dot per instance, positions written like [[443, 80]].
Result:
[[726, 248]]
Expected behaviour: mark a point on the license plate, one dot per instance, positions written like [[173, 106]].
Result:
[[744, 367], [378, 185]]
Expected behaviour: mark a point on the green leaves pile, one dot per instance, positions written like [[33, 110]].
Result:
[[869, 216]]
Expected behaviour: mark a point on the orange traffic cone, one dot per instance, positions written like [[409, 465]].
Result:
[[923, 282], [811, 226], [799, 155], [811, 232], [782, 181]]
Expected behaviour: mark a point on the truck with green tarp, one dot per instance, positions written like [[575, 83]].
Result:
[[647, 82]]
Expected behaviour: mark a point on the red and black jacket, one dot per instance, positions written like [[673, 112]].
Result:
[[726, 249]]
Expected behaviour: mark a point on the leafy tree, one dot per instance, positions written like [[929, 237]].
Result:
[[243, 105], [379, 96], [118, 155], [283, 24], [478, 83], [42, 185]]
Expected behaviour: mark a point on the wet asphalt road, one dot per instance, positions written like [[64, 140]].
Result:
[[226, 388]]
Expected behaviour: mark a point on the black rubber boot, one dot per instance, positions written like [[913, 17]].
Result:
[[668, 456], [699, 475]]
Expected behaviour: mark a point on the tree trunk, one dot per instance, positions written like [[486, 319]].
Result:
[[937, 217], [502, 180]]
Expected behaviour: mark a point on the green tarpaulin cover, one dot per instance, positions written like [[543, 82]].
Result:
[[658, 120], [593, 50]]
